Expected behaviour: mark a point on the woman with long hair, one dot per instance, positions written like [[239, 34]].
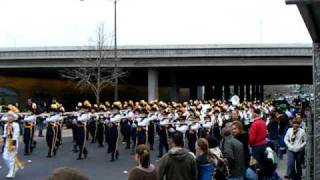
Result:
[[206, 161], [144, 170]]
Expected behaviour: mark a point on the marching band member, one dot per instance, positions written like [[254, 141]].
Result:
[[92, 124], [81, 135], [114, 130], [163, 136], [28, 134], [192, 134], [11, 135], [51, 135], [142, 134], [152, 117], [100, 125]]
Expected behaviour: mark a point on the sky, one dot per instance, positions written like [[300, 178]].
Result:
[[31, 23]]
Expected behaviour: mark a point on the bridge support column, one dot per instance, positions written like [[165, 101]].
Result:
[[217, 93], [257, 92], [175, 91], [253, 92], [193, 92], [248, 98], [314, 154], [153, 89], [208, 93], [226, 92], [200, 92], [236, 89], [241, 92], [261, 92]]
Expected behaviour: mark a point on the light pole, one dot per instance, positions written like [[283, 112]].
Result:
[[115, 53]]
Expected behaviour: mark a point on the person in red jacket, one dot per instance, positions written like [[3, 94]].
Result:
[[257, 139]]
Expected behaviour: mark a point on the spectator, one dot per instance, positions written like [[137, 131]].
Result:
[[222, 169], [273, 132], [66, 173], [178, 163], [232, 150], [283, 121], [206, 162], [257, 137], [144, 170], [242, 136], [214, 146], [295, 140]]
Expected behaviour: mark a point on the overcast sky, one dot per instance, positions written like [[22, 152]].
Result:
[[25, 23]]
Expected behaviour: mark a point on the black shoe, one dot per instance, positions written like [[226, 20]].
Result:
[[79, 158], [85, 156], [48, 156], [286, 177], [101, 145], [111, 160], [117, 155]]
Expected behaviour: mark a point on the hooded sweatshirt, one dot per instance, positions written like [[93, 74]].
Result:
[[178, 164]]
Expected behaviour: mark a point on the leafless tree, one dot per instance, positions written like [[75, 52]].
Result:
[[92, 74]]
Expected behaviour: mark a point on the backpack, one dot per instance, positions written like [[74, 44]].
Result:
[[222, 169]]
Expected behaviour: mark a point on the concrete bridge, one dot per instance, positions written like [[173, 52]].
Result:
[[246, 67], [161, 56]]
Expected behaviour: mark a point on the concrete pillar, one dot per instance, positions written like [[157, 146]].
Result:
[[175, 91], [217, 93], [200, 92], [226, 92], [253, 92], [208, 93], [236, 89], [258, 92], [193, 92], [261, 92], [248, 97], [241, 92], [316, 111], [153, 89]]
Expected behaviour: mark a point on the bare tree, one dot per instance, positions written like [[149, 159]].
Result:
[[93, 74]]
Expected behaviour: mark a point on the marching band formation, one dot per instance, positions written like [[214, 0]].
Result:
[[132, 123]]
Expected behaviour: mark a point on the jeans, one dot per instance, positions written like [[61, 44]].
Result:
[[275, 143], [258, 152], [163, 144], [41, 127], [294, 164], [282, 146]]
